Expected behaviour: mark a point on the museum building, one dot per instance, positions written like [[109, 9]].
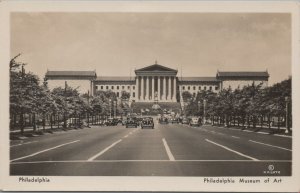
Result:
[[154, 82]]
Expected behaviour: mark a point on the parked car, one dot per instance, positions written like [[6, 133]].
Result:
[[124, 120], [195, 121], [111, 122], [163, 120], [174, 120], [147, 122], [131, 122], [185, 121]]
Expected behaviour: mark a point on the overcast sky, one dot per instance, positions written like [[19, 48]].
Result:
[[115, 43]]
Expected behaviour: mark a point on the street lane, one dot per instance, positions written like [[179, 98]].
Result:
[[285, 142], [145, 144], [91, 141], [167, 150], [187, 143]]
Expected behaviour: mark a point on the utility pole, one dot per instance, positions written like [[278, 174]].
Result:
[[88, 112], [65, 92]]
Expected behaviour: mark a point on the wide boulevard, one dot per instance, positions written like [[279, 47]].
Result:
[[166, 150]]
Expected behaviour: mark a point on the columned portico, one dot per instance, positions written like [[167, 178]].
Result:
[[156, 79]]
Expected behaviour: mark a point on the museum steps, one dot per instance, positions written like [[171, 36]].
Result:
[[146, 107]]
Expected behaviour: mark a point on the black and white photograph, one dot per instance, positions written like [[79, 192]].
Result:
[[151, 94]]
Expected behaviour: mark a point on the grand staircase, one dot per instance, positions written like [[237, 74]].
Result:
[[146, 107]]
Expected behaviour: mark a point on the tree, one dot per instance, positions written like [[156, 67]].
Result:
[[125, 95], [186, 96]]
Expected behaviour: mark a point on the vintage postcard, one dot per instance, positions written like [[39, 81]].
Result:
[[150, 96]]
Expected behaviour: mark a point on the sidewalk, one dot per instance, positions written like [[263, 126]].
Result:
[[263, 130], [29, 132]]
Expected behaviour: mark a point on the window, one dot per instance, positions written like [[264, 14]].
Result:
[[123, 87], [118, 94], [194, 88], [210, 88], [216, 88], [133, 94], [182, 87], [133, 87], [106, 87], [112, 87], [117, 87], [101, 87], [188, 87], [128, 87], [199, 87], [205, 88]]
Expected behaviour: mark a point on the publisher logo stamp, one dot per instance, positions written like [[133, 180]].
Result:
[[271, 170]]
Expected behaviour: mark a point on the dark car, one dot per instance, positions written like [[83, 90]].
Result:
[[185, 121], [174, 120], [163, 120], [147, 123], [131, 122], [111, 122]]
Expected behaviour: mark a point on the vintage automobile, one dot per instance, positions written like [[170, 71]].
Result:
[[131, 122], [185, 121], [173, 120], [124, 120], [147, 122], [163, 120], [111, 122], [195, 121]]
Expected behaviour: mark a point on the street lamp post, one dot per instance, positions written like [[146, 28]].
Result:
[[287, 116], [109, 108], [88, 112], [204, 110], [199, 107], [115, 108]]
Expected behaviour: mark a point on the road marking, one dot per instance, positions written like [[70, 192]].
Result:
[[227, 148], [103, 151], [270, 145], [263, 133], [23, 143], [119, 161], [220, 133], [235, 137], [39, 152], [283, 135], [170, 155]]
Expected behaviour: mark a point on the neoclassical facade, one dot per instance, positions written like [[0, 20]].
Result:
[[158, 83]]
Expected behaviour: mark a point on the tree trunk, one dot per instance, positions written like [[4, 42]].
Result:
[[51, 121], [22, 122], [34, 122]]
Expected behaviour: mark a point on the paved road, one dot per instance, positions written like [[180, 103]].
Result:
[[167, 150]]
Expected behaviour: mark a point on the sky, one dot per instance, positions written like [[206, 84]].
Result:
[[114, 44]]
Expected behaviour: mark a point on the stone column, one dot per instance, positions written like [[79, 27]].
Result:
[[91, 88], [152, 94], [170, 89], [158, 88], [142, 88], [174, 89], [137, 96], [147, 88], [164, 89]]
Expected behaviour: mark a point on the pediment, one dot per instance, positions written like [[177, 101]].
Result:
[[155, 68]]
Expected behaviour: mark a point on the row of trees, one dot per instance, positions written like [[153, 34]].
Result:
[[248, 105], [32, 100]]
